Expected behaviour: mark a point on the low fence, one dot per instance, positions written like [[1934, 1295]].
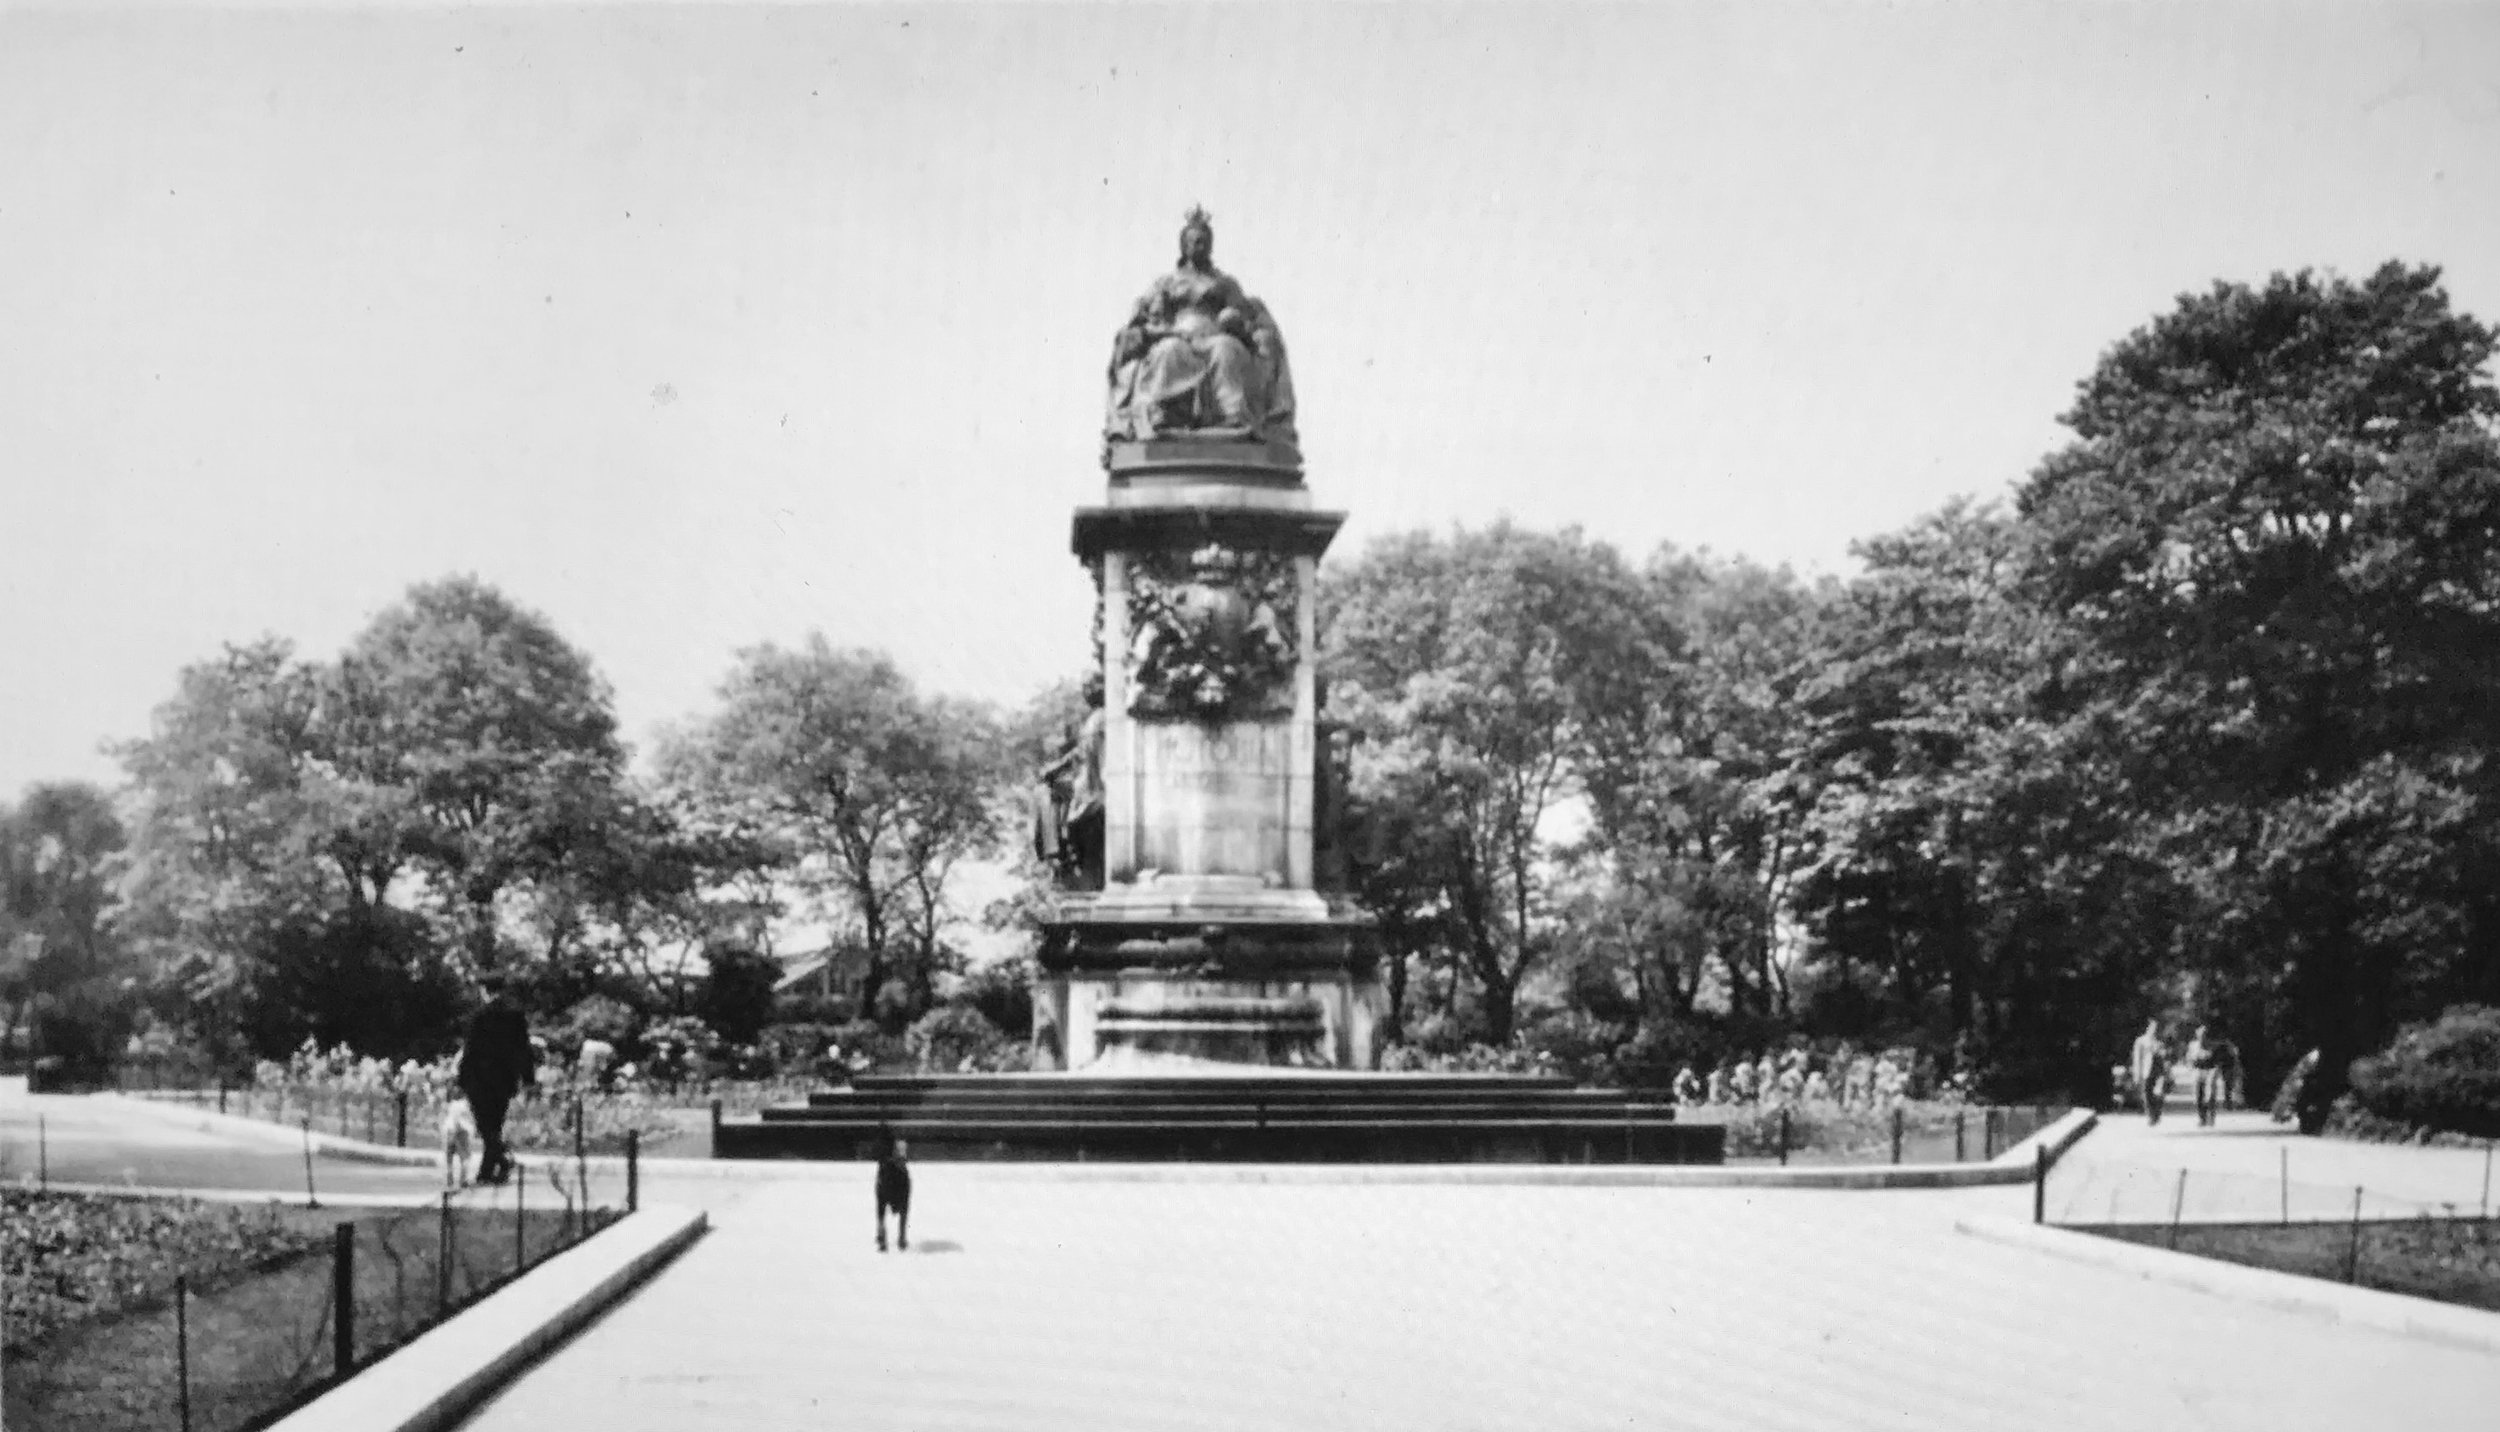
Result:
[[2429, 1229], [231, 1348], [553, 1116], [1819, 1133], [2114, 1195]]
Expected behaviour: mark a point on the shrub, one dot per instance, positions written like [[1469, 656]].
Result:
[[679, 1048], [2444, 1075], [869, 1047], [1580, 1043], [600, 1017], [1473, 1059], [952, 1037], [737, 992]]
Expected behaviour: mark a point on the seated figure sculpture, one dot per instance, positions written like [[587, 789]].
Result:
[[1198, 358]]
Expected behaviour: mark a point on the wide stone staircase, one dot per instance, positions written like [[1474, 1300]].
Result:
[[1229, 1118]]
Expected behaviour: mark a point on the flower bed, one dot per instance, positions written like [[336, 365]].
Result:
[[99, 1341], [72, 1256]]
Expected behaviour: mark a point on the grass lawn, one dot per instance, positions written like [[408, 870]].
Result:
[[2454, 1260], [259, 1327]]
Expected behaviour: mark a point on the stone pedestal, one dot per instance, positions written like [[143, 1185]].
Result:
[[1210, 943]]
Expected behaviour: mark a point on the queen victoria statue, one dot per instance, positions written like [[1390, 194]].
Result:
[[1199, 359]]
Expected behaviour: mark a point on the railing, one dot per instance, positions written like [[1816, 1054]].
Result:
[[213, 1343], [2428, 1228], [1901, 1132]]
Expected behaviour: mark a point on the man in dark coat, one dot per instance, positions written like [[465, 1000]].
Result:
[[495, 1061]]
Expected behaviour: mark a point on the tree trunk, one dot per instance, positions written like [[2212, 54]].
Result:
[[1501, 1005]]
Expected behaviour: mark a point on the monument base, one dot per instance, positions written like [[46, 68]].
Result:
[[1182, 974]]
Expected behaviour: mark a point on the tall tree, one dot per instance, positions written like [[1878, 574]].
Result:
[[60, 846], [1468, 667], [1691, 782], [483, 738], [872, 793], [2279, 527]]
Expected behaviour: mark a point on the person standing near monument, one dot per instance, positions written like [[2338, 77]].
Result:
[[2148, 1064], [496, 1060], [2204, 1062]]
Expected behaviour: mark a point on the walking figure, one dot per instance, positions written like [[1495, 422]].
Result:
[[496, 1059], [894, 1190], [2148, 1063]]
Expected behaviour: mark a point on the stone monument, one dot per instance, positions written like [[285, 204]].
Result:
[[1190, 817]]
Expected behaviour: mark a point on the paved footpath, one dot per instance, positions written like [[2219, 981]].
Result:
[[1032, 1303], [2248, 1168]]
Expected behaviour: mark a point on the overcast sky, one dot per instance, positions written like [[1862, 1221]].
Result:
[[699, 327]]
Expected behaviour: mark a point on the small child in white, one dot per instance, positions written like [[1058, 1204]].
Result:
[[459, 1140]]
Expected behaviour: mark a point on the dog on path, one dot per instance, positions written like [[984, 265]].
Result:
[[894, 1190], [460, 1141]]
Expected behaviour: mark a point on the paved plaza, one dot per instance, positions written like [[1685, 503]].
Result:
[[1046, 1304], [1034, 1300]]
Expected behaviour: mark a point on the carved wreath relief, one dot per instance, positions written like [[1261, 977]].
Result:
[[1211, 633]]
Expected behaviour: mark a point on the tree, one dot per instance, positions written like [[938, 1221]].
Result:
[[1692, 788], [870, 793], [319, 847], [2278, 528], [1467, 668], [1975, 884], [60, 846], [480, 740]]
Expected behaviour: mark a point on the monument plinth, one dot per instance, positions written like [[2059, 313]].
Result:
[[1193, 926]]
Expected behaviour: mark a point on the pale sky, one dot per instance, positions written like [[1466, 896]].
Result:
[[699, 327]]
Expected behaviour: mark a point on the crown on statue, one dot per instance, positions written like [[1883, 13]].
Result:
[[1197, 218]]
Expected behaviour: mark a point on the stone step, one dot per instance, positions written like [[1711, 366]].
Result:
[[1107, 1111], [1481, 1140], [1219, 1084]]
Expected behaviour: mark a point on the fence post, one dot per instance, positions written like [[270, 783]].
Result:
[[2352, 1255], [1783, 1136], [182, 1346], [343, 1298], [581, 1164], [403, 1118], [442, 1265], [520, 1223], [2039, 1183], [1896, 1133], [2284, 1160], [633, 1170], [2178, 1204], [221, 1093], [716, 1128], [1988, 1132], [1961, 1126], [312, 1195]]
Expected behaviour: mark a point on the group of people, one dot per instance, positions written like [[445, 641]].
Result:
[[2210, 1062], [1849, 1079]]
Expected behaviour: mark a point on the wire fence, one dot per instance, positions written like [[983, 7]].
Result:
[[2430, 1230], [543, 1119], [2083, 1192], [1820, 1133], [232, 1348]]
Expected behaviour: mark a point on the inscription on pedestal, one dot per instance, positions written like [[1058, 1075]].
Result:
[[1214, 800]]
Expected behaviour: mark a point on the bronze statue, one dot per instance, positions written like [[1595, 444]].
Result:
[[1068, 809], [1199, 358]]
